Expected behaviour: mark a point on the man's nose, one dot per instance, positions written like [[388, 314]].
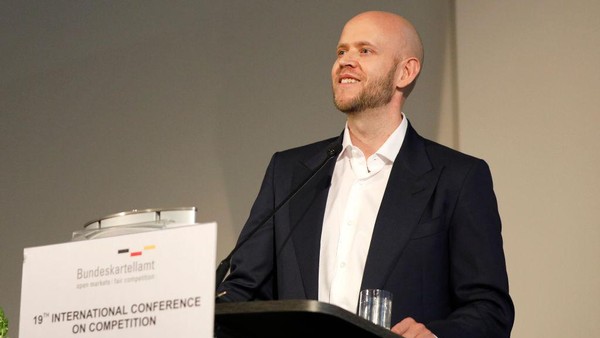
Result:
[[348, 59]]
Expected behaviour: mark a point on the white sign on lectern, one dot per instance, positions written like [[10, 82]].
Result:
[[151, 284]]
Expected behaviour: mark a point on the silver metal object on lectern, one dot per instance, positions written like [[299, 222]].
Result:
[[135, 221]]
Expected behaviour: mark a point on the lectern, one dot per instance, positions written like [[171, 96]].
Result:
[[292, 319]]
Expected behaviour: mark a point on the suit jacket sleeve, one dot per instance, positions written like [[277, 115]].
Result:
[[252, 266], [478, 279]]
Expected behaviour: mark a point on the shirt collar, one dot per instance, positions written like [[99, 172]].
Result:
[[389, 149]]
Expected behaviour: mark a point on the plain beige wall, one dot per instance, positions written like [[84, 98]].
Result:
[[528, 79], [107, 106]]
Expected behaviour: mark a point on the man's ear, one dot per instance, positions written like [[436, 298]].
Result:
[[408, 71]]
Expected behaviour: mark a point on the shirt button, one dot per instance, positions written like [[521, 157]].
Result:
[[342, 265]]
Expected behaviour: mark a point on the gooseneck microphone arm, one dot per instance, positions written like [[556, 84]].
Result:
[[332, 151]]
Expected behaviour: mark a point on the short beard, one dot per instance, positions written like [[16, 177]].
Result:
[[375, 95]]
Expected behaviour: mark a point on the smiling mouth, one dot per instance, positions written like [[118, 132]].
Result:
[[348, 80]]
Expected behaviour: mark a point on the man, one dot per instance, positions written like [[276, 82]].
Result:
[[392, 211]]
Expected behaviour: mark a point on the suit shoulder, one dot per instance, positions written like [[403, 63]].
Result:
[[459, 166], [307, 150], [441, 154]]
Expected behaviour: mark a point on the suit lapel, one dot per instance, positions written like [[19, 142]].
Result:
[[306, 218], [411, 183]]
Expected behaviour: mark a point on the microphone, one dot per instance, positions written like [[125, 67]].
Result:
[[333, 150]]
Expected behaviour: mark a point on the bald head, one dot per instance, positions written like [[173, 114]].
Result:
[[400, 32], [379, 57]]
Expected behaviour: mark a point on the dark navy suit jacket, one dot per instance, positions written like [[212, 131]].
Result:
[[436, 245]]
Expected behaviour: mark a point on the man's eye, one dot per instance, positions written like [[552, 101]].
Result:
[[341, 52], [365, 51]]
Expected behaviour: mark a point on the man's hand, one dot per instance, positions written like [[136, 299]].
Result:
[[409, 328]]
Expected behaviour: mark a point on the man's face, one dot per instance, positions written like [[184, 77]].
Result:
[[363, 75]]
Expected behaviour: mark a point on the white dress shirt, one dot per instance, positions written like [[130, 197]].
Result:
[[356, 191]]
